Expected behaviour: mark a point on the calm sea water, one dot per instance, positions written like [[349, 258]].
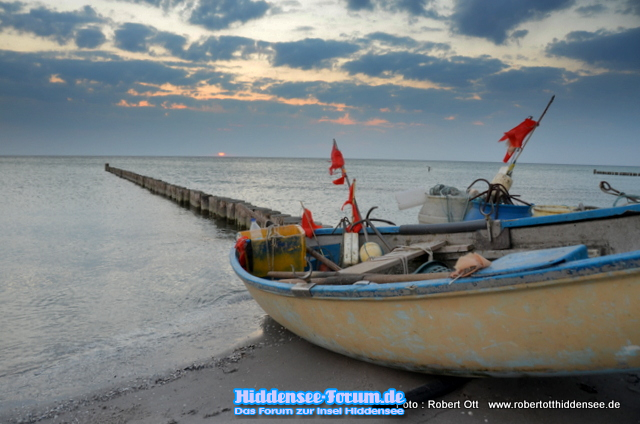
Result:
[[101, 281]]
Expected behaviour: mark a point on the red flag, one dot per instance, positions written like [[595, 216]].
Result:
[[354, 209], [516, 136], [337, 161], [307, 223], [339, 180], [241, 251]]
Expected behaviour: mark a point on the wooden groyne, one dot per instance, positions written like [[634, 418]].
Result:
[[234, 211], [629, 174]]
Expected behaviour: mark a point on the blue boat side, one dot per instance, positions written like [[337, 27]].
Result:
[[565, 262], [571, 217]]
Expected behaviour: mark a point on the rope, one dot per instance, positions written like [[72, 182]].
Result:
[[496, 193], [403, 259]]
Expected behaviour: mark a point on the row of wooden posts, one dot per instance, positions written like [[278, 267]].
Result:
[[235, 211], [629, 174]]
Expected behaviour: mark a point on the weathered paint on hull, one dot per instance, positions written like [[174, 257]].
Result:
[[569, 326]]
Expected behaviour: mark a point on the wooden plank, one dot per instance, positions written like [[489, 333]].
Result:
[[393, 258], [456, 248], [347, 279]]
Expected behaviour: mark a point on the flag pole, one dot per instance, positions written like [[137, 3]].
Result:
[[355, 202], [346, 178], [514, 158]]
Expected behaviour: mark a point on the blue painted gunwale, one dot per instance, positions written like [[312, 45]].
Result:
[[571, 217], [628, 262]]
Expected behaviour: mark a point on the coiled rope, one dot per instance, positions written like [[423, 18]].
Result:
[[496, 193]]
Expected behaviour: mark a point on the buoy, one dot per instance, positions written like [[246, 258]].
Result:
[[370, 250], [502, 177]]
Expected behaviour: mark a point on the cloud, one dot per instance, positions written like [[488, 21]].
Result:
[[221, 14], [311, 53], [141, 84], [527, 83], [164, 4], [347, 120], [212, 14], [173, 43], [414, 8], [31, 75], [457, 71], [516, 35], [141, 103], [139, 38], [58, 26], [223, 48], [494, 19], [55, 79], [600, 48], [392, 40], [373, 99], [90, 38], [11, 7], [114, 81], [384, 42], [300, 90], [134, 37], [631, 7], [591, 10], [357, 5]]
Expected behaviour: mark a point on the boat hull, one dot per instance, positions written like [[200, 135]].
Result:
[[561, 298], [561, 327]]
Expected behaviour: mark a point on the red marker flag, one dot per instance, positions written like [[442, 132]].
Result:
[[516, 135], [339, 181], [307, 223], [337, 162], [354, 209]]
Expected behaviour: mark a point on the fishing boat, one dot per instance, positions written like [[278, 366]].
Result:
[[508, 294], [560, 296]]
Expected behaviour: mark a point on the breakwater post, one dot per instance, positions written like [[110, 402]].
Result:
[[628, 174], [235, 211]]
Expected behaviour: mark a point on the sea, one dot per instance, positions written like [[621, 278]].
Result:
[[103, 282]]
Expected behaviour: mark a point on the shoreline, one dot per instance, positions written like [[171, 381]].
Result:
[[203, 392]]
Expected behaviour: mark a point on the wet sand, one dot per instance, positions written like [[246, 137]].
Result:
[[204, 392]]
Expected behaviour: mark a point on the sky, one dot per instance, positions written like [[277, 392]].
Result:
[[388, 79]]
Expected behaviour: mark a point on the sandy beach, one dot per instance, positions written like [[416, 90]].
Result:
[[204, 392]]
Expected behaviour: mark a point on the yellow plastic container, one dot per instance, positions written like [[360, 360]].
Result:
[[547, 210], [277, 250]]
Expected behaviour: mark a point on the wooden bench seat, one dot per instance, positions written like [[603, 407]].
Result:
[[393, 258]]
